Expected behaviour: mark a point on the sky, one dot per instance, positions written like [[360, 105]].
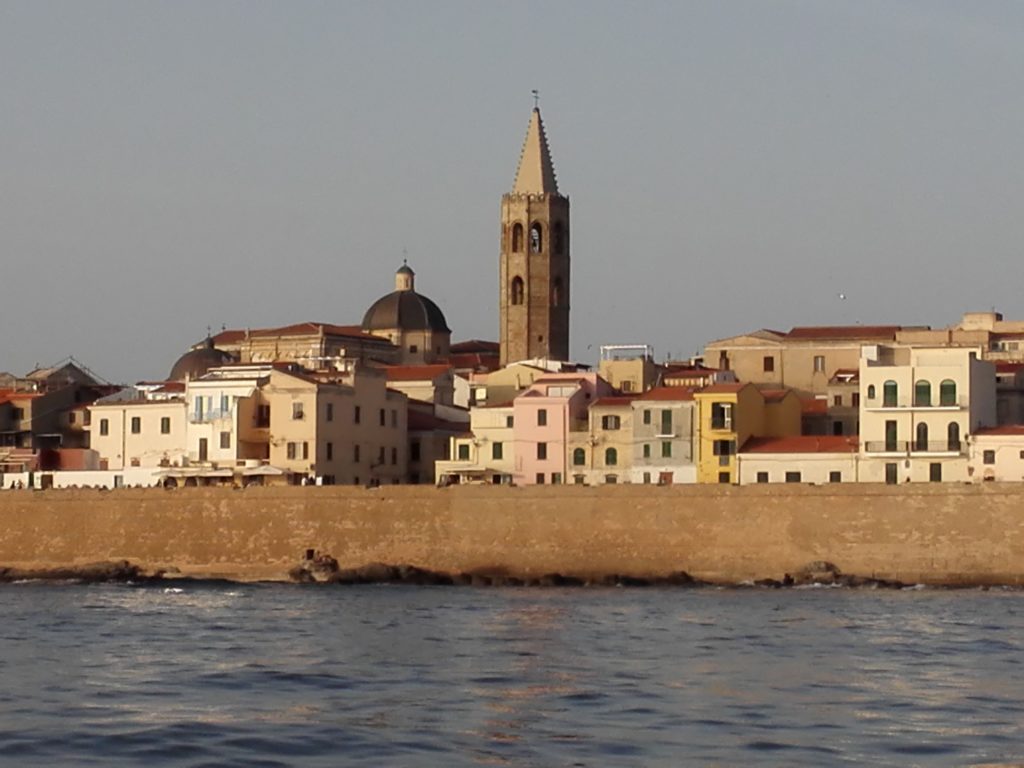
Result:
[[166, 167]]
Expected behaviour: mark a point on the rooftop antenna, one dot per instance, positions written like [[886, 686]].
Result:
[[536, 98]]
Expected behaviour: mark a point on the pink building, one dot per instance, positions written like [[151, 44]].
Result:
[[543, 416]]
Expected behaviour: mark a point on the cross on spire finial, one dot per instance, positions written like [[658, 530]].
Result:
[[536, 98], [405, 257]]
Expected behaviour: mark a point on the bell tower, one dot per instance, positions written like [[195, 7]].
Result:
[[534, 300]]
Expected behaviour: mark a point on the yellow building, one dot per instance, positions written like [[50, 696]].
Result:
[[731, 414]]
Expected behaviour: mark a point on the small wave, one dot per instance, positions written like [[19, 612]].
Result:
[[173, 590]]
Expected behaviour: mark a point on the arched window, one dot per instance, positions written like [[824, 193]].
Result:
[[517, 290], [871, 391], [923, 393], [889, 394], [557, 238], [611, 457], [556, 293], [947, 392], [517, 238], [579, 457], [921, 443], [953, 436], [536, 238]]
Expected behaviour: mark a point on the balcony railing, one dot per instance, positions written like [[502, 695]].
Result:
[[905, 447], [200, 418], [903, 403]]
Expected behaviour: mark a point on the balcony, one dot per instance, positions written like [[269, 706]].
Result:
[[914, 448], [207, 416], [905, 403]]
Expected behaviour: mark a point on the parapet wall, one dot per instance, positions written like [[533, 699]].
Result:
[[913, 533]]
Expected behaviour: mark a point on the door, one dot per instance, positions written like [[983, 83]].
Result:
[[204, 450]]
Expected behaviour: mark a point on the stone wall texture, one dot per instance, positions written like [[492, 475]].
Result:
[[947, 534]]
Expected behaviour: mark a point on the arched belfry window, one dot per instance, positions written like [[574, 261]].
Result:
[[557, 238], [517, 290], [536, 238], [517, 238], [557, 293]]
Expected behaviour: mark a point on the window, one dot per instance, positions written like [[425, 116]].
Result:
[[394, 417], [647, 478], [947, 393], [291, 450], [383, 418], [923, 393], [542, 417], [104, 427], [762, 477], [556, 478], [380, 456], [262, 416], [819, 363], [890, 393], [666, 449], [721, 415], [394, 456], [355, 453], [542, 451], [297, 411], [855, 399], [517, 291], [329, 451], [305, 450], [837, 401], [330, 412], [540, 478], [517, 237], [413, 349], [953, 436], [647, 450], [611, 479], [357, 415], [724, 447], [225, 404], [769, 363], [792, 477], [610, 422], [871, 391], [891, 434], [497, 451], [509, 421], [647, 416], [536, 238], [837, 428], [921, 438], [414, 450], [579, 457], [666, 422], [724, 478], [71, 417], [136, 425], [989, 457], [225, 440], [891, 473], [18, 414], [611, 457], [578, 480], [835, 477], [935, 472]]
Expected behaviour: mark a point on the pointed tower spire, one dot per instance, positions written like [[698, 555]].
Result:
[[536, 173]]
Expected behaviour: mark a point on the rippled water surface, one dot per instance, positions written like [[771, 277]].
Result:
[[222, 675]]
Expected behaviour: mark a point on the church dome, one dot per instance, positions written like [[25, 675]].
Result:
[[196, 362], [405, 309]]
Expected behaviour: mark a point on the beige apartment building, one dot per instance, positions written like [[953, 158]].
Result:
[[138, 433], [664, 419], [918, 408], [485, 453]]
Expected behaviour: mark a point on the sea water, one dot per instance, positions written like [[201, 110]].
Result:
[[196, 674]]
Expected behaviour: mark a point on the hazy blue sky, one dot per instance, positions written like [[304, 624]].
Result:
[[732, 165]]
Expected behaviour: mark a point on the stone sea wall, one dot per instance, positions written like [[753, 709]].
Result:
[[939, 534]]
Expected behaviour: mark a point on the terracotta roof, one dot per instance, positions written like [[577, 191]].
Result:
[[613, 400], [503, 404], [667, 393], [1008, 367], [172, 386], [415, 372], [774, 395], [1006, 429], [801, 444], [844, 332], [474, 360], [813, 405]]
